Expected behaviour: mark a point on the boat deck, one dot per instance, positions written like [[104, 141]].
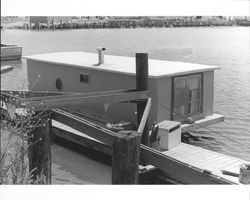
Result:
[[207, 161]]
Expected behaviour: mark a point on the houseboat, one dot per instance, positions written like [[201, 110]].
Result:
[[10, 52], [179, 90]]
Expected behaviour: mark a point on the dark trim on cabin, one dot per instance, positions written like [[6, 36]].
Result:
[[202, 91], [172, 98], [172, 94]]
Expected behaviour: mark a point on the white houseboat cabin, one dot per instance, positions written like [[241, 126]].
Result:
[[178, 90]]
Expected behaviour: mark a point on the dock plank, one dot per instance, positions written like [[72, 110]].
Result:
[[205, 159], [198, 159], [234, 165], [214, 161], [219, 163], [186, 156], [190, 154]]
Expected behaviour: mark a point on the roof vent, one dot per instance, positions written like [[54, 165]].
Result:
[[100, 51]]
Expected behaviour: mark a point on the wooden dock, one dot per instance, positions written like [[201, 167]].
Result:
[[186, 164], [207, 161]]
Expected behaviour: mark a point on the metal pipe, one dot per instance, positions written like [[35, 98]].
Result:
[[100, 51]]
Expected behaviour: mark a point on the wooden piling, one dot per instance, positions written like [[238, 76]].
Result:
[[61, 24], [52, 25], [125, 157], [142, 84], [39, 152]]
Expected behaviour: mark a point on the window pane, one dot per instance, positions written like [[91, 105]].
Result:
[[180, 83], [194, 94], [187, 108], [176, 111], [195, 107], [181, 97], [182, 110], [194, 83], [179, 111]]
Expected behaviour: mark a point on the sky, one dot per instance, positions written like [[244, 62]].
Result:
[[125, 7]]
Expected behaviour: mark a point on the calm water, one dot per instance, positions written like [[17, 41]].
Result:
[[227, 47]]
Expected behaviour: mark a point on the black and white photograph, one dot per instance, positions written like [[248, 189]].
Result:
[[118, 97]]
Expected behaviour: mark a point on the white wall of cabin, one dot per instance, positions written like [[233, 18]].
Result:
[[99, 81]]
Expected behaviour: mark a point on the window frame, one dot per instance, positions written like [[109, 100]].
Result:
[[182, 117]]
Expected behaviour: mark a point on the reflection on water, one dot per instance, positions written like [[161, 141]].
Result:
[[226, 47]]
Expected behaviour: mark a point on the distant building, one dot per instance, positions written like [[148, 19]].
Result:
[[38, 19], [47, 19], [242, 18], [58, 19]]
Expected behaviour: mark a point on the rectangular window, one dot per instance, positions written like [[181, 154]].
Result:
[[84, 78], [187, 96]]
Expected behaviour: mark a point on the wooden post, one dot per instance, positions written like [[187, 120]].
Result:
[[144, 116], [142, 84], [125, 158], [52, 25], [39, 149], [61, 24]]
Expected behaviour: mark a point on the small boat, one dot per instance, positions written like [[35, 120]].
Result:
[[10, 52], [5, 69]]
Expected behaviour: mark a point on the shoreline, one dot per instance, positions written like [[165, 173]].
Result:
[[121, 23]]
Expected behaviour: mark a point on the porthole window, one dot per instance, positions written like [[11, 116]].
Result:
[[59, 84]]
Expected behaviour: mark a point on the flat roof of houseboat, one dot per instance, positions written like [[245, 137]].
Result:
[[120, 64]]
